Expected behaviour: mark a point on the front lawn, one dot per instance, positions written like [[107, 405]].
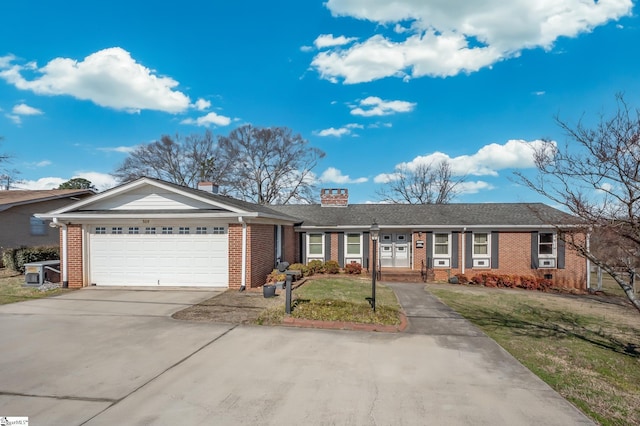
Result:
[[12, 288], [339, 299], [585, 347]]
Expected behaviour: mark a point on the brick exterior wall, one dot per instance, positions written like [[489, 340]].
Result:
[[419, 254], [75, 271], [334, 246], [235, 255], [289, 238], [260, 254]]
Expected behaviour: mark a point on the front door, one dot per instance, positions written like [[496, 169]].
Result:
[[394, 250]]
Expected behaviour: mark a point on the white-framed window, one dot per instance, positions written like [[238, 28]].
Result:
[[167, 229], [134, 230], [218, 230], [37, 226], [183, 230], [441, 245], [201, 229], [116, 229], [481, 244], [353, 244], [100, 230], [150, 230], [547, 244], [315, 246]]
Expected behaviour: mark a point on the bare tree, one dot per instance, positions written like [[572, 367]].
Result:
[[184, 161], [598, 180], [7, 175], [269, 165], [424, 184]]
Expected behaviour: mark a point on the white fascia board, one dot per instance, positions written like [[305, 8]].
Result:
[[79, 216], [437, 227]]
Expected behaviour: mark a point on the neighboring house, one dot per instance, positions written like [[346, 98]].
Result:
[[18, 224], [153, 233]]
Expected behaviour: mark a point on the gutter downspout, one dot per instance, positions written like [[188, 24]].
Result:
[[243, 270], [464, 248], [65, 255]]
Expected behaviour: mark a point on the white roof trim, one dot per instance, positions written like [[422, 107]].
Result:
[[137, 184]]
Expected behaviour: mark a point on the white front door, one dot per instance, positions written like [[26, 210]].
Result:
[[394, 250]]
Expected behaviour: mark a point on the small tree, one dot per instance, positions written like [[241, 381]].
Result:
[[7, 176], [77, 183], [269, 165], [425, 184], [598, 180]]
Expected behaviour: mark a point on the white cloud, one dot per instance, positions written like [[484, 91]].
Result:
[[202, 104], [333, 175], [441, 39], [514, 154], [473, 187], [306, 49], [374, 106], [539, 93], [15, 118], [339, 132], [24, 109], [101, 181], [207, 120], [109, 78], [120, 149], [328, 40]]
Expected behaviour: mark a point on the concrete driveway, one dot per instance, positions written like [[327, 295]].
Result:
[[103, 357]]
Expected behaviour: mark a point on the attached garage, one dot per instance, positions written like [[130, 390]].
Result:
[[185, 255]]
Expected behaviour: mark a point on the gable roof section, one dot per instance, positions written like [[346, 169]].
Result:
[[503, 215], [13, 198], [208, 203]]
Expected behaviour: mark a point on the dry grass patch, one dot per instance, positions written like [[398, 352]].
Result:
[[586, 347], [12, 288]]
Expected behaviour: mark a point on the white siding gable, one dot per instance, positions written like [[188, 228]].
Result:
[[148, 198]]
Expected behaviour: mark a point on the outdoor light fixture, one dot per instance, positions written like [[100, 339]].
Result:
[[375, 231]]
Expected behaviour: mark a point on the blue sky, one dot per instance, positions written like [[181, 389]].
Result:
[[373, 84]]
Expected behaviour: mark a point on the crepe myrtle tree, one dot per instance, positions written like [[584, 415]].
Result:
[[269, 165], [596, 177], [181, 160], [432, 183]]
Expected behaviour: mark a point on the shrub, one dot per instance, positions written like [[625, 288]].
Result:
[[300, 267], [276, 276], [15, 259], [331, 267], [462, 278], [353, 268], [315, 267]]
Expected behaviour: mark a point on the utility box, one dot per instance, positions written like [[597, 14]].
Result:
[[37, 273]]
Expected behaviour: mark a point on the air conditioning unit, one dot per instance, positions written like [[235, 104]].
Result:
[[482, 263], [547, 263], [37, 273]]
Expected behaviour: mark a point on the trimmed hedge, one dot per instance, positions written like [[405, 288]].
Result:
[[15, 258], [527, 282]]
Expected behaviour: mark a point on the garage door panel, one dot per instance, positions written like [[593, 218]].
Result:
[[165, 260]]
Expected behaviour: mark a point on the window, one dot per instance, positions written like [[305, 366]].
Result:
[[183, 230], [38, 227], [150, 230], [201, 230], [134, 230], [315, 245], [116, 230], [481, 245], [219, 230], [546, 244], [167, 230], [354, 244], [441, 245], [100, 230]]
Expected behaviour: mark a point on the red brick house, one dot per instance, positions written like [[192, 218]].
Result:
[[153, 233]]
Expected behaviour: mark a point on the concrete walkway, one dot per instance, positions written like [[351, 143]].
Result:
[[116, 357]]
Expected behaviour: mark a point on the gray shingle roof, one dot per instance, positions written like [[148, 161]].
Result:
[[490, 214]]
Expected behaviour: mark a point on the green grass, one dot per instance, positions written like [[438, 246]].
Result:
[[12, 288], [587, 351], [339, 299]]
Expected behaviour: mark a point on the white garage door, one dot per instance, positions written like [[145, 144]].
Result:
[[159, 256]]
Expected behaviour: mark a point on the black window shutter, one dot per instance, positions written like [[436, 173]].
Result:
[[534, 250], [468, 250], [303, 247], [561, 252], [365, 250], [327, 246], [454, 248], [495, 249], [429, 250], [341, 249]]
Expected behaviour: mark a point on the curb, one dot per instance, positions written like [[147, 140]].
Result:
[[343, 325]]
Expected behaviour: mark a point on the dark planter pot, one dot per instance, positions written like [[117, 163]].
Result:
[[268, 290]]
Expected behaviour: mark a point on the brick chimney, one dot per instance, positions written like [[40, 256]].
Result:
[[334, 197], [209, 187]]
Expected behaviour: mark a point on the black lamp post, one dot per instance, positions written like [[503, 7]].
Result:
[[375, 230]]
